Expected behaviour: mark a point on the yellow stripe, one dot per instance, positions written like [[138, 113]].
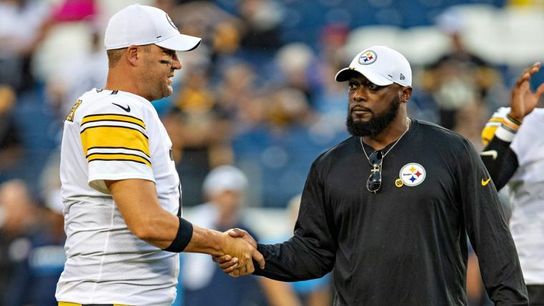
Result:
[[496, 119], [118, 157], [106, 117], [116, 137], [76, 304]]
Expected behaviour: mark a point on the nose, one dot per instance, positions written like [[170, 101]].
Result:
[[359, 95], [176, 63]]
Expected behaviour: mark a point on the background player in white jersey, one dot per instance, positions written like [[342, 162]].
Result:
[[120, 188], [514, 155]]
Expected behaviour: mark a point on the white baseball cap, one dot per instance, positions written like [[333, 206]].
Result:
[[224, 178], [381, 65], [143, 25]]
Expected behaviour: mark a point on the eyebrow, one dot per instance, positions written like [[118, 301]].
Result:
[[167, 51]]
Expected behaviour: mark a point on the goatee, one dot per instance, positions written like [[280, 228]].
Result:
[[375, 125]]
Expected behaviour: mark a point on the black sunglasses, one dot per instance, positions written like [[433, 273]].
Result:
[[374, 182]]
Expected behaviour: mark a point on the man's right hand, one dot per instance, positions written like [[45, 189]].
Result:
[[239, 252], [523, 100], [233, 265]]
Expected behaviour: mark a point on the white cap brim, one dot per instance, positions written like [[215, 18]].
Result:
[[181, 42], [348, 72]]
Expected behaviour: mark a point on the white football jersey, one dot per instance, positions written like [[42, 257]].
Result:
[[114, 135], [527, 197]]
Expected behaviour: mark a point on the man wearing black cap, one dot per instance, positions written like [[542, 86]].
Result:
[[120, 188], [388, 210]]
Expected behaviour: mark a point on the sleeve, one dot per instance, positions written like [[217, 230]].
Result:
[[500, 160], [488, 231], [310, 253], [115, 144]]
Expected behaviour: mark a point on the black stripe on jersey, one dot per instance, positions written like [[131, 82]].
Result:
[[111, 153], [126, 148], [115, 114], [114, 126], [101, 159], [114, 92]]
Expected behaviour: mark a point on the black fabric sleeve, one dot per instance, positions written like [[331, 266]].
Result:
[[488, 231], [502, 166], [310, 253]]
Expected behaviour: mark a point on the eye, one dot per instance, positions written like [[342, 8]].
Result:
[[372, 86], [353, 86]]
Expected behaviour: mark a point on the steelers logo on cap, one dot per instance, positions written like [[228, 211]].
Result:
[[412, 174], [367, 57]]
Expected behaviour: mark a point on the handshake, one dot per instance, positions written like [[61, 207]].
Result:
[[238, 250]]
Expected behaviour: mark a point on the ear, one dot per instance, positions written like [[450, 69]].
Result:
[[132, 55], [406, 94]]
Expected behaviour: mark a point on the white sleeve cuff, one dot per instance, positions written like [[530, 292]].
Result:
[[504, 134]]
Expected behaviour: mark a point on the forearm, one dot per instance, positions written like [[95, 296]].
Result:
[[205, 241], [293, 261], [499, 159], [145, 218]]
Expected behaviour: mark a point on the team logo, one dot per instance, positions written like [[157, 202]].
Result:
[[70, 116], [368, 57], [412, 174]]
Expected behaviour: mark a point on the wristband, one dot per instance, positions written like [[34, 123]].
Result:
[[515, 121], [183, 236], [510, 124]]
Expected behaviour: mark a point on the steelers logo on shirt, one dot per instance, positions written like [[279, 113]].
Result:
[[412, 174]]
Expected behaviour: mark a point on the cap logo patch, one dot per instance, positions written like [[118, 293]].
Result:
[[171, 22], [412, 174], [402, 77], [368, 57]]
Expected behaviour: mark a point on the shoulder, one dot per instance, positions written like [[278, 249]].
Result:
[[536, 116], [106, 103], [439, 133], [440, 139], [337, 151]]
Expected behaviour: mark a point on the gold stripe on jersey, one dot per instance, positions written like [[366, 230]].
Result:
[[114, 137], [118, 157], [112, 117], [496, 119]]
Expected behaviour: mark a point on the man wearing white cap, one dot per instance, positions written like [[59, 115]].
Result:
[[120, 189], [389, 209]]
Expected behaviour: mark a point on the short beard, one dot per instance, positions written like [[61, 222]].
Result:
[[376, 124]]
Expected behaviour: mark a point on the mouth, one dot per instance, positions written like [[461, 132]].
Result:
[[359, 111]]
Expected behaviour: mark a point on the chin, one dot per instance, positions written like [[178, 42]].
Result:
[[357, 119]]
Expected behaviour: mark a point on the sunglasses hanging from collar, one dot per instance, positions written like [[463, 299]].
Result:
[[375, 159]]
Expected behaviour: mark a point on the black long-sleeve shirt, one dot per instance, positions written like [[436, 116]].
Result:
[[405, 245]]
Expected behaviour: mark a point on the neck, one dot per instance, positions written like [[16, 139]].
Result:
[[123, 81], [390, 134]]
